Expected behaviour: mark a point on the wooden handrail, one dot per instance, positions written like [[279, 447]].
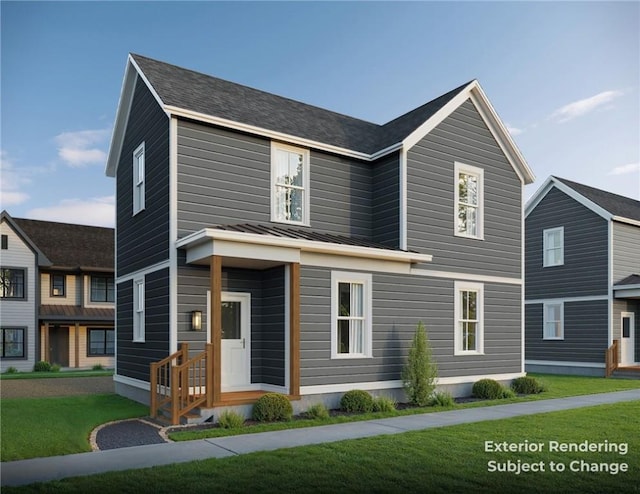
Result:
[[611, 359]]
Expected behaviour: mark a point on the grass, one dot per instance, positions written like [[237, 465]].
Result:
[[34, 427], [56, 375], [558, 387], [450, 459]]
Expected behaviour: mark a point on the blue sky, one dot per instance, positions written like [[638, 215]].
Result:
[[564, 77]]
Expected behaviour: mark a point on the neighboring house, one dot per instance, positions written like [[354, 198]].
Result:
[[307, 245], [582, 278], [57, 294]]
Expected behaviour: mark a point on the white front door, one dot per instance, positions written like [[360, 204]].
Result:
[[628, 340], [236, 341]]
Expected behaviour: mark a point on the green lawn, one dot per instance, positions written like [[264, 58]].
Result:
[[450, 459], [33, 427], [53, 375]]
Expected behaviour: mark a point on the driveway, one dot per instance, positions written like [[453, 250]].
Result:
[[58, 386]]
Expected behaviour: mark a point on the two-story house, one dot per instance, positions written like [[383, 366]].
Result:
[[582, 279], [57, 294], [299, 248]]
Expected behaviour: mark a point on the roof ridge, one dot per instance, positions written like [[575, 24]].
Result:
[[595, 189], [63, 223]]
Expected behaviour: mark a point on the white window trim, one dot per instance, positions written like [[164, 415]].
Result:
[[545, 244], [275, 146], [367, 345], [461, 286], [544, 320], [139, 307], [139, 179], [478, 172]]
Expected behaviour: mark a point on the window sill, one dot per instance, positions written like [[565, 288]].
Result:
[[349, 356], [292, 223], [552, 265], [471, 237], [460, 353], [561, 338]]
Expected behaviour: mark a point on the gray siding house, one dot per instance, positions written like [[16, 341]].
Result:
[[582, 279], [296, 249]]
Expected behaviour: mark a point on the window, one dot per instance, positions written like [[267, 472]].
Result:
[[554, 321], [58, 285], [12, 343], [4, 241], [290, 184], [12, 283], [469, 199], [351, 324], [138, 179], [101, 342], [553, 247], [469, 318], [102, 289], [138, 310]]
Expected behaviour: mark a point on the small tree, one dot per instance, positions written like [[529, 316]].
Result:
[[420, 373]]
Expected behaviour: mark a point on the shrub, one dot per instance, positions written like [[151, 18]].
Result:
[[442, 399], [507, 393], [11, 370], [420, 373], [527, 386], [384, 404], [487, 389], [42, 366], [271, 407], [356, 400], [230, 420], [55, 368], [317, 411], [97, 367]]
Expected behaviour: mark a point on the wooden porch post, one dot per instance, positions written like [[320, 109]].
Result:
[[215, 328], [294, 330], [77, 343], [45, 350]]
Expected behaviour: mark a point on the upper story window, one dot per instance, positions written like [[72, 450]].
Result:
[[138, 179], [4, 242], [351, 320], [138, 310], [469, 201], [469, 318], [553, 254], [58, 285], [12, 343], [102, 289], [553, 321], [289, 184], [12, 283]]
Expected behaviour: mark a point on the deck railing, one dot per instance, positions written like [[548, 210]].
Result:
[[179, 383], [611, 359]]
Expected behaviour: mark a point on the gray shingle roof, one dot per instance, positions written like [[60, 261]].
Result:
[[632, 279], [216, 97], [72, 246], [615, 204]]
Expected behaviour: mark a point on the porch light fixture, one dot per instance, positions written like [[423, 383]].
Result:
[[196, 320]]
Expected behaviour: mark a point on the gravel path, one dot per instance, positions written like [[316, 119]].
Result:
[[59, 386], [126, 433]]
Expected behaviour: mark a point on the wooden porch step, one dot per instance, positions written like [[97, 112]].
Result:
[[629, 372]]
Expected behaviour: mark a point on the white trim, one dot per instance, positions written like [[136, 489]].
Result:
[[144, 271], [246, 314], [208, 234], [287, 327], [621, 293], [565, 364], [148, 84], [610, 287], [173, 236], [632, 338], [139, 183], [359, 264], [139, 290], [622, 219], [404, 212], [466, 276], [626, 287], [591, 298], [130, 381], [459, 286], [306, 187], [546, 233], [375, 385], [477, 172], [366, 280], [522, 271], [545, 306]]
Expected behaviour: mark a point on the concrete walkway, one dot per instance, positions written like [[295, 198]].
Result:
[[44, 469]]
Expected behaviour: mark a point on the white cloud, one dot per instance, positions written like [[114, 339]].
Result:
[[82, 148], [11, 183], [584, 106], [625, 169], [96, 211], [514, 131]]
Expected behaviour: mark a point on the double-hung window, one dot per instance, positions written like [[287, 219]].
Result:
[[469, 201], [138, 310], [289, 184], [101, 342], [553, 321], [469, 318], [12, 283], [138, 179], [351, 324], [12, 343], [102, 289], [553, 247], [58, 285]]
